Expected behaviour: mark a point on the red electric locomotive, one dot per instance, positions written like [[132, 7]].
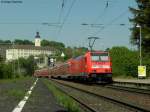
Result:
[[94, 66]]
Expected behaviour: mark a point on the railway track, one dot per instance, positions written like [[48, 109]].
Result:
[[85, 107], [128, 105], [132, 84], [130, 89]]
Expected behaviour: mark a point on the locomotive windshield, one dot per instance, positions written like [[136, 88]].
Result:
[[99, 57]]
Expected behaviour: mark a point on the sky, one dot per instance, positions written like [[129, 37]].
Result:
[[62, 21]]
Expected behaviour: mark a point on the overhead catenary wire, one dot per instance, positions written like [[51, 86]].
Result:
[[30, 23], [42, 23], [107, 5], [61, 10], [102, 14], [111, 22], [101, 27], [66, 17]]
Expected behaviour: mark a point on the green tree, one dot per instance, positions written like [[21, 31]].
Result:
[[27, 66], [5, 41], [57, 45], [6, 71], [79, 51], [23, 42], [1, 70], [18, 41], [1, 59], [68, 53], [30, 65], [124, 61], [27, 42], [45, 43], [141, 16]]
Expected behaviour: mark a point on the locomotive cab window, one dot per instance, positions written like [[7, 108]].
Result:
[[99, 57]]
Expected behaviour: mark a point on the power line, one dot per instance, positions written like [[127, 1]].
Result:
[[30, 23], [26, 23], [111, 22], [61, 10], [63, 3], [18, 23], [102, 14], [66, 17], [107, 3]]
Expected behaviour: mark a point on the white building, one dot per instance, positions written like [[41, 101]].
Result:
[[17, 51], [24, 51]]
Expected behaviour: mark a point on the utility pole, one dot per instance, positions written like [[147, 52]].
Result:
[[17, 59], [140, 44], [13, 59], [141, 68], [91, 42], [18, 66]]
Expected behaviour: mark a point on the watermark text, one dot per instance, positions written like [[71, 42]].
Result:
[[11, 1]]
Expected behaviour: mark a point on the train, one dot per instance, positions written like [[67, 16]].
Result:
[[93, 66]]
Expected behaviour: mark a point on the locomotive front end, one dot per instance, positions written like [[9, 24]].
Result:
[[100, 66]]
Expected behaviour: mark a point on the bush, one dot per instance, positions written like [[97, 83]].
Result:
[[6, 71], [124, 61], [13, 70], [146, 62]]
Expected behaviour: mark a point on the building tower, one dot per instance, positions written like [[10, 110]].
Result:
[[37, 40]]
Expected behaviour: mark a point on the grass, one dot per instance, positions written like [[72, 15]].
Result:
[[124, 77], [14, 80], [16, 88], [16, 93], [62, 98]]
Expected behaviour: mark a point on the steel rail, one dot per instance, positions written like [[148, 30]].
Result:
[[129, 105], [87, 107], [132, 83], [129, 89]]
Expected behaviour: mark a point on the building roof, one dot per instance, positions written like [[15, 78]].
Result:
[[30, 47], [5, 45], [37, 35]]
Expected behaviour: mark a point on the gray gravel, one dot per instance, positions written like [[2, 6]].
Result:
[[98, 104], [129, 97], [12, 91], [41, 100]]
